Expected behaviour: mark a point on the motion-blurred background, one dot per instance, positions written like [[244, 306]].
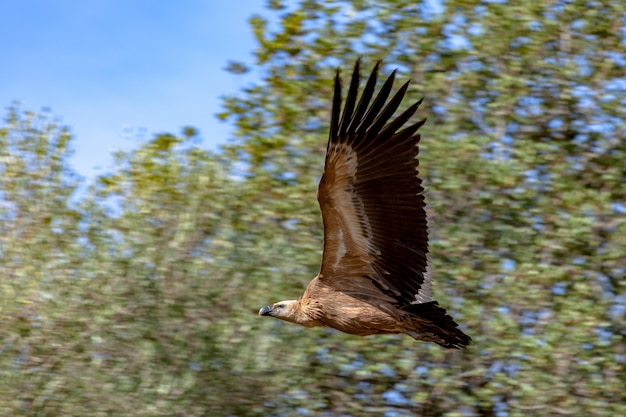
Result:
[[132, 289]]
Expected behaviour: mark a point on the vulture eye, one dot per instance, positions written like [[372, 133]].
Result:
[[280, 306]]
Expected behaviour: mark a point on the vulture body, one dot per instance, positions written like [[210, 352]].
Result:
[[375, 275]]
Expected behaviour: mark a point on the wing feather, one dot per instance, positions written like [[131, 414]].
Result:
[[375, 108], [351, 100], [334, 120], [366, 96], [375, 228]]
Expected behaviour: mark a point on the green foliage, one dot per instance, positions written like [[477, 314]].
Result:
[[524, 160], [138, 297]]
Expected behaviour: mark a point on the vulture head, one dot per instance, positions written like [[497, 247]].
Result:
[[283, 310], [289, 310]]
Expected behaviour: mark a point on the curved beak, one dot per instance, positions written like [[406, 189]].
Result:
[[265, 311]]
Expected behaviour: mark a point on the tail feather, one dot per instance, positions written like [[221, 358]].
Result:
[[435, 325]]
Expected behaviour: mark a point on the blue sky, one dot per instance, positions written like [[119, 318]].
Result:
[[117, 70]]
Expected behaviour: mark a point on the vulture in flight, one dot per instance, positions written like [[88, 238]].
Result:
[[375, 276]]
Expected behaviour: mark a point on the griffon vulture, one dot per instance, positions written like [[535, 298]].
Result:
[[375, 276]]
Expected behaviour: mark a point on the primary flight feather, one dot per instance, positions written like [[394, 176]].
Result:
[[375, 275]]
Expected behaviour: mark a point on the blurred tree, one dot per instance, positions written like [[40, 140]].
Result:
[[112, 304], [39, 257], [524, 159]]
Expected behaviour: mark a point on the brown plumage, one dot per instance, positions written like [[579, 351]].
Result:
[[375, 275]]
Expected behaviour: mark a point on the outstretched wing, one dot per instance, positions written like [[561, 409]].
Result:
[[372, 202]]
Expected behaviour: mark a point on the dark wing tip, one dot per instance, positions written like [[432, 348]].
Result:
[[409, 131], [334, 118], [363, 119], [366, 97], [372, 118], [351, 99]]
